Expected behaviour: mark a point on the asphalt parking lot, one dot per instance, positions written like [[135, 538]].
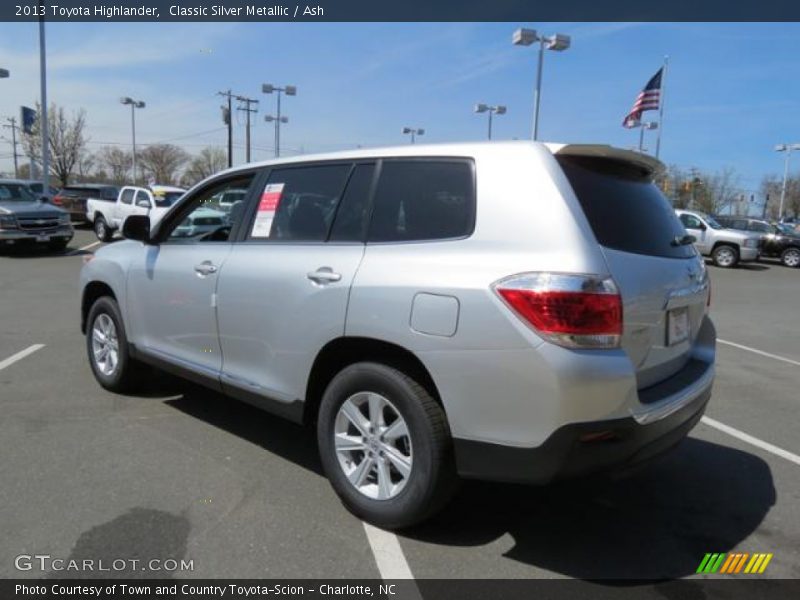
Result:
[[180, 472]]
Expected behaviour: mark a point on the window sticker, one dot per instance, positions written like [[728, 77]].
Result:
[[270, 198]]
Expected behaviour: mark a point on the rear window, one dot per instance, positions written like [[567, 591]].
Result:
[[626, 211]]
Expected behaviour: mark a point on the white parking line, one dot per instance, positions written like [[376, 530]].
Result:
[[752, 440], [86, 247], [388, 554], [761, 352], [20, 355]]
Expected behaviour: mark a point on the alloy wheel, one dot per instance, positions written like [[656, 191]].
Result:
[[373, 445], [105, 345]]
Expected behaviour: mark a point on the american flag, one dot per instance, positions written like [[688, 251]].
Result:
[[647, 99]]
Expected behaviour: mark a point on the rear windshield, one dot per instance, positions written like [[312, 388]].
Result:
[[625, 209]]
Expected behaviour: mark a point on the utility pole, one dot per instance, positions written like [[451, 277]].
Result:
[[226, 118], [246, 108], [13, 128]]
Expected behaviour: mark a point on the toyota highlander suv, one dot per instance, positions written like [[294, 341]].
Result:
[[509, 311]]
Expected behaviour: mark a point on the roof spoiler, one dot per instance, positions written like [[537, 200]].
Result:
[[651, 164]]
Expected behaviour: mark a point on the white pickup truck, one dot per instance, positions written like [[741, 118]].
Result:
[[107, 217]]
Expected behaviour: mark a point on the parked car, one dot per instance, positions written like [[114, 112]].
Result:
[[726, 247], [511, 311], [26, 219], [74, 198], [107, 216], [775, 243]]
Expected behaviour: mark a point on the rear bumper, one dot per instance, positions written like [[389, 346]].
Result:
[[566, 454]]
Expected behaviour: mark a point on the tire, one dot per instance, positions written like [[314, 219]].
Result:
[[58, 245], [431, 477], [791, 257], [125, 374], [102, 230], [725, 256]]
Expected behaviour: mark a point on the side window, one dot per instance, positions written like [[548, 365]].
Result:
[[203, 219], [350, 222], [423, 200], [739, 224], [127, 197], [690, 221], [299, 204], [143, 200]]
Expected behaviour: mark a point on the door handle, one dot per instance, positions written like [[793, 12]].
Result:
[[324, 275], [205, 268]]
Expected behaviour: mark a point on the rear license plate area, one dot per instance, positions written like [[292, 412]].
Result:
[[677, 325]]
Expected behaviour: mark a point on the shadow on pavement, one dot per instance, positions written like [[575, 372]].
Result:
[[293, 442], [653, 526]]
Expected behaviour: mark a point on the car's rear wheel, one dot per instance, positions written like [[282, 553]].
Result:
[[107, 346], [101, 229], [791, 257], [385, 445], [725, 256]]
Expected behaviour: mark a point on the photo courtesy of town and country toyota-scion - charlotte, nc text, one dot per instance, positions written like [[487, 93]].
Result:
[[111, 11]]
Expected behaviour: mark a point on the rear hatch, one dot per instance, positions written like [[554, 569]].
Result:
[[662, 281]]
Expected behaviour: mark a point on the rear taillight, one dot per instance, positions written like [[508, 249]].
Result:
[[58, 200], [575, 311]]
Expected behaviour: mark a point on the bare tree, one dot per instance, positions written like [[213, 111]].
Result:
[[66, 140], [162, 162], [209, 161], [117, 162], [771, 187], [85, 165], [676, 185], [714, 192]]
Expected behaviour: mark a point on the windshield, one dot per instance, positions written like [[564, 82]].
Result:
[[15, 192], [712, 222], [167, 199]]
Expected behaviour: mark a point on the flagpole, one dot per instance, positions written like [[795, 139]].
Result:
[[662, 97]]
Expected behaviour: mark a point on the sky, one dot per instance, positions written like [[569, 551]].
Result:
[[732, 90]]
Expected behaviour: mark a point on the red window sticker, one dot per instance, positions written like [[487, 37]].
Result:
[[270, 199]]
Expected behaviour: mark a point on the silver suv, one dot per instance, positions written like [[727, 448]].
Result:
[[507, 311]]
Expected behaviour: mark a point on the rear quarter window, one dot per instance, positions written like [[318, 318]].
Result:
[[625, 209], [428, 199]]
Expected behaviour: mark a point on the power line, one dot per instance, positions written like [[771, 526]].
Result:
[[245, 107]]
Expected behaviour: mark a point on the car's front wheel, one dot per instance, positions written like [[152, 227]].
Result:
[[107, 346], [725, 256], [385, 445], [791, 257]]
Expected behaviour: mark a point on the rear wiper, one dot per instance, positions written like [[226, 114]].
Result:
[[682, 241]]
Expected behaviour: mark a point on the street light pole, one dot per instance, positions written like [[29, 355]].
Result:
[[492, 110], [134, 104], [788, 149], [558, 42], [289, 90], [43, 91], [413, 132]]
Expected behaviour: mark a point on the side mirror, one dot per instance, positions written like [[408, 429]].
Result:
[[137, 227], [691, 239], [703, 227], [44, 199]]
